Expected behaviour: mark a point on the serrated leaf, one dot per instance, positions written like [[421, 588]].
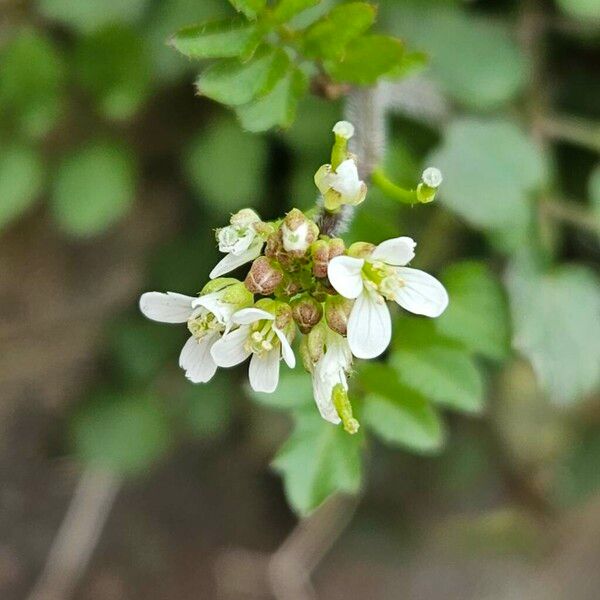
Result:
[[294, 391], [278, 107], [477, 315], [490, 167], [318, 460], [397, 414], [217, 39], [21, 176], [125, 434], [557, 326], [366, 59], [444, 375], [31, 83], [111, 65], [234, 83], [94, 188], [329, 36], [213, 156], [251, 8], [287, 9]]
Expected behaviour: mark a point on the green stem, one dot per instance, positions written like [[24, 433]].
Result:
[[389, 188]]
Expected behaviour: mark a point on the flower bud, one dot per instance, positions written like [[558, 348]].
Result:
[[313, 346], [337, 313], [361, 249], [307, 312], [263, 277], [323, 251], [244, 218], [298, 232], [291, 285]]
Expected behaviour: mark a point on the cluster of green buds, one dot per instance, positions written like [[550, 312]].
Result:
[[303, 283]]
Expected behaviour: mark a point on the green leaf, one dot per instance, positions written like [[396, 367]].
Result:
[[21, 177], [556, 326], [477, 315], [94, 188], [111, 65], [217, 39], [444, 375], [318, 460], [251, 8], [490, 167], [594, 190], [367, 59], [287, 9], [397, 414], [227, 166], [87, 16], [31, 85], [278, 107], [475, 59], [233, 82], [294, 391], [329, 36], [125, 434], [582, 9]]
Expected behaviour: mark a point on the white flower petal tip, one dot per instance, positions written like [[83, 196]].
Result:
[[432, 177], [231, 262], [286, 350], [397, 251], [166, 308], [229, 350], [369, 326], [344, 274], [421, 293], [263, 373], [344, 129], [246, 316], [196, 360]]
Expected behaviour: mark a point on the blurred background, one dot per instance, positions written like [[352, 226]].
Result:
[[113, 175]]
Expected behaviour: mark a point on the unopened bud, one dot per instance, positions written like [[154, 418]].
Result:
[[323, 251], [361, 250], [315, 344], [337, 313], [214, 285], [263, 277], [244, 218], [298, 232], [307, 312]]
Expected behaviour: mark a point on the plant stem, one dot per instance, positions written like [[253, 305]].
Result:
[[389, 188], [573, 130]]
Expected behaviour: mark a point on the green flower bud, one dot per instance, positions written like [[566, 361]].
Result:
[[244, 218], [314, 345], [214, 285], [361, 250], [263, 277], [337, 313], [307, 312]]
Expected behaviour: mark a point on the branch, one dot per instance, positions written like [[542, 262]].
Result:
[[573, 130], [572, 213], [77, 536]]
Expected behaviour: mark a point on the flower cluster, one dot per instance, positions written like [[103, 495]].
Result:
[[304, 281]]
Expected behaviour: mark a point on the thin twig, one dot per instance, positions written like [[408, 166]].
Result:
[[580, 132], [77, 536], [572, 213]]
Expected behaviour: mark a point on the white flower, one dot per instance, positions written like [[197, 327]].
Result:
[[257, 335], [330, 370], [380, 276], [341, 186], [295, 240], [239, 241], [207, 317]]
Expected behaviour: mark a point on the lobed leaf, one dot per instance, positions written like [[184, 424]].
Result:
[[328, 37], [366, 59], [218, 39], [234, 82], [318, 460]]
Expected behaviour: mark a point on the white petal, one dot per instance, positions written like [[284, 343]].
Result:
[[212, 303], [345, 180], [286, 349], [245, 316], [167, 308], [233, 261], [196, 360], [397, 251], [322, 389], [344, 273], [264, 371], [369, 326], [229, 350], [421, 294]]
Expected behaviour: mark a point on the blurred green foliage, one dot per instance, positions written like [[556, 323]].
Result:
[[80, 81]]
